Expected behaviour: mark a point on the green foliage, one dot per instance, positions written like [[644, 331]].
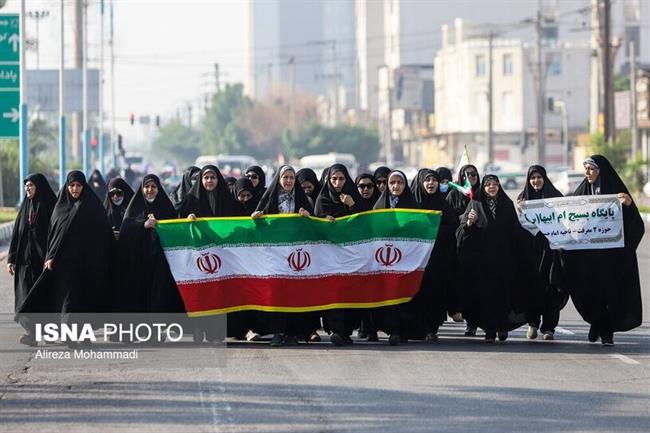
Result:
[[221, 133], [621, 82], [178, 142], [315, 138], [632, 171]]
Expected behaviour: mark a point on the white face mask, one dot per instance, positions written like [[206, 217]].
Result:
[[444, 187], [119, 202], [150, 200]]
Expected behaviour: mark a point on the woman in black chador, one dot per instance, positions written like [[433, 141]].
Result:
[[309, 183], [29, 239], [285, 196], [210, 197], [244, 193], [428, 309], [339, 197], [76, 269], [258, 177], [190, 177], [604, 284], [147, 284], [117, 200], [486, 242], [368, 191], [543, 270], [396, 195], [98, 184], [381, 178]]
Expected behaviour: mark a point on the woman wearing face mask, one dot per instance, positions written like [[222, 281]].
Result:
[[486, 241], [381, 178], [458, 203], [244, 193], [543, 270], [444, 174], [29, 240], [117, 200], [428, 309], [147, 284], [338, 198], [604, 284], [397, 195], [285, 196], [76, 270]]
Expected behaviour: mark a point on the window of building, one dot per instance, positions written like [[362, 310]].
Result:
[[480, 65], [507, 64], [507, 103], [632, 10], [555, 64]]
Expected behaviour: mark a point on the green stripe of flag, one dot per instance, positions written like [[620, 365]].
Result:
[[293, 229]]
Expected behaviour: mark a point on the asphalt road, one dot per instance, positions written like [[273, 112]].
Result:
[[457, 385]]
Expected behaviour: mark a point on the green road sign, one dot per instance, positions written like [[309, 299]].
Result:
[[9, 38], [9, 75]]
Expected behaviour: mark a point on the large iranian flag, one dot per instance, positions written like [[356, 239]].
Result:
[[291, 263]]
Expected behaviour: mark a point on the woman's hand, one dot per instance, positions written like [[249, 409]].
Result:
[[347, 200], [257, 214], [11, 268], [330, 218], [49, 264], [191, 217], [624, 198], [471, 218], [304, 212], [151, 222]]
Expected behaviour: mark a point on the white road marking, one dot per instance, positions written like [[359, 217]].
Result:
[[564, 331], [625, 359]]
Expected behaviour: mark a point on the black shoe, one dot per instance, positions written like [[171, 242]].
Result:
[[290, 340], [394, 340], [607, 340], [348, 340], [277, 340], [593, 334], [362, 334], [503, 335], [372, 336], [470, 331], [28, 340], [431, 337], [490, 336], [336, 339]]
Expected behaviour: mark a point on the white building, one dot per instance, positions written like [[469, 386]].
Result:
[[461, 96]]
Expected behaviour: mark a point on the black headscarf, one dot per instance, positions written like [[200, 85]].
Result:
[[260, 189], [230, 181], [216, 203], [269, 202], [190, 176], [245, 184], [444, 173], [548, 189], [29, 237], [116, 213], [608, 182], [381, 172], [307, 174], [328, 202], [406, 199], [457, 200], [100, 189], [161, 207], [370, 202]]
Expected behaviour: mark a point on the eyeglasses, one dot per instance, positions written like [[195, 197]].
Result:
[[116, 192], [365, 186], [252, 176], [471, 173]]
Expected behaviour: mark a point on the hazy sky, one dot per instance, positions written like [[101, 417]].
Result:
[[164, 49]]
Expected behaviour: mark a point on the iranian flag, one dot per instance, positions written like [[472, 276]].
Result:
[[291, 263]]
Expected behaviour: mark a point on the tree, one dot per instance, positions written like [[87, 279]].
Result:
[[221, 133], [177, 141], [314, 138], [632, 171]]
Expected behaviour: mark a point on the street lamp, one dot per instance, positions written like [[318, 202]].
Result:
[[38, 16]]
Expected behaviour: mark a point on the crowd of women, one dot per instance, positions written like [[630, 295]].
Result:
[[94, 248]]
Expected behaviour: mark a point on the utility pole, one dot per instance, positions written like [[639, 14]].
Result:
[[84, 79], [633, 103], [77, 59], [217, 77], [38, 16], [541, 81], [189, 114], [269, 77], [292, 97], [101, 89], [62, 149], [23, 161], [604, 12], [337, 103], [113, 130], [490, 135]]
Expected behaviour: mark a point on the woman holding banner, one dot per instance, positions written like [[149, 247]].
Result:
[[339, 197], [604, 283], [543, 270], [285, 196], [486, 240]]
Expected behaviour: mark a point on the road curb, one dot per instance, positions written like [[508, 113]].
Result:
[[6, 230], [646, 217]]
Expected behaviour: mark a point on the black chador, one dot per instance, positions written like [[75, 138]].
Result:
[[488, 262], [456, 199], [341, 322], [245, 186], [76, 271], [219, 202], [29, 238], [428, 309], [147, 284], [542, 272], [308, 175], [368, 203], [604, 284], [119, 189], [98, 184], [190, 176], [255, 171]]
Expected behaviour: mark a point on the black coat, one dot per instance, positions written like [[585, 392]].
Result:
[[217, 203], [328, 202], [269, 201], [29, 238], [606, 282], [116, 213]]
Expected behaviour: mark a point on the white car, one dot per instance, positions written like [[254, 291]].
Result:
[[568, 181]]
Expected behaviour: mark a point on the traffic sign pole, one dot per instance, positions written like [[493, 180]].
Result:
[[24, 136]]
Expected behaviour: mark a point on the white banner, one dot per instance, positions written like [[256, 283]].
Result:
[[577, 222]]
